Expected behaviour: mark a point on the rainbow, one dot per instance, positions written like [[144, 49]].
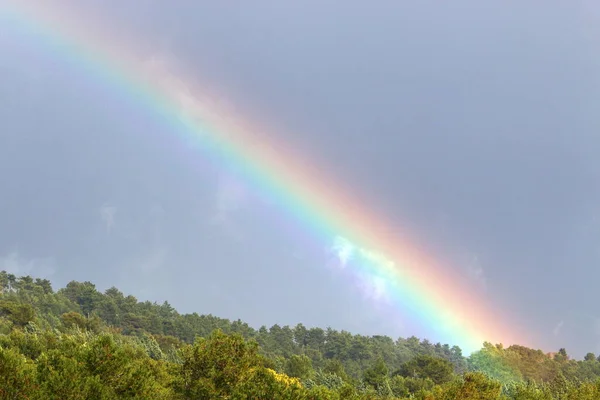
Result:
[[442, 301]]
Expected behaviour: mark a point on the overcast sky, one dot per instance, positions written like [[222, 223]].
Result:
[[473, 126]]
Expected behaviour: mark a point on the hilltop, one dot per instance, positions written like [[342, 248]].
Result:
[[77, 342]]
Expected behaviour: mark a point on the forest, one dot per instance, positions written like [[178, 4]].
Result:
[[79, 343]]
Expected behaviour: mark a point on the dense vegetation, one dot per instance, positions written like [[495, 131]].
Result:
[[79, 343]]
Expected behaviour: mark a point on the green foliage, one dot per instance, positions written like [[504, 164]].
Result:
[[426, 366], [20, 314], [377, 377], [215, 366], [528, 391], [404, 387], [299, 366], [264, 384], [494, 361], [16, 375], [325, 380], [472, 386], [79, 343]]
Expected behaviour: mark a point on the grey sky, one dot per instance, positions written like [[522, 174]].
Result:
[[473, 126]]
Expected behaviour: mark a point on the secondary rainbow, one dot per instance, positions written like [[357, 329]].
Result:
[[441, 300]]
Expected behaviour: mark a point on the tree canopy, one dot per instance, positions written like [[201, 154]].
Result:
[[80, 343]]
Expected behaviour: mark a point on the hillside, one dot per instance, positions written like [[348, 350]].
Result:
[[79, 343]]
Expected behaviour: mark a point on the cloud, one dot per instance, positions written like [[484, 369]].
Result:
[[343, 250], [162, 69], [107, 213], [558, 328], [374, 288], [369, 276], [198, 105], [142, 224], [159, 71], [14, 263]]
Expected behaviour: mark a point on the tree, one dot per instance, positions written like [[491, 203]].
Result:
[[299, 366], [561, 355], [265, 384], [473, 386], [492, 361], [213, 367], [300, 335], [84, 294], [73, 319], [377, 376], [125, 348], [18, 313], [335, 367], [426, 366], [17, 378]]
